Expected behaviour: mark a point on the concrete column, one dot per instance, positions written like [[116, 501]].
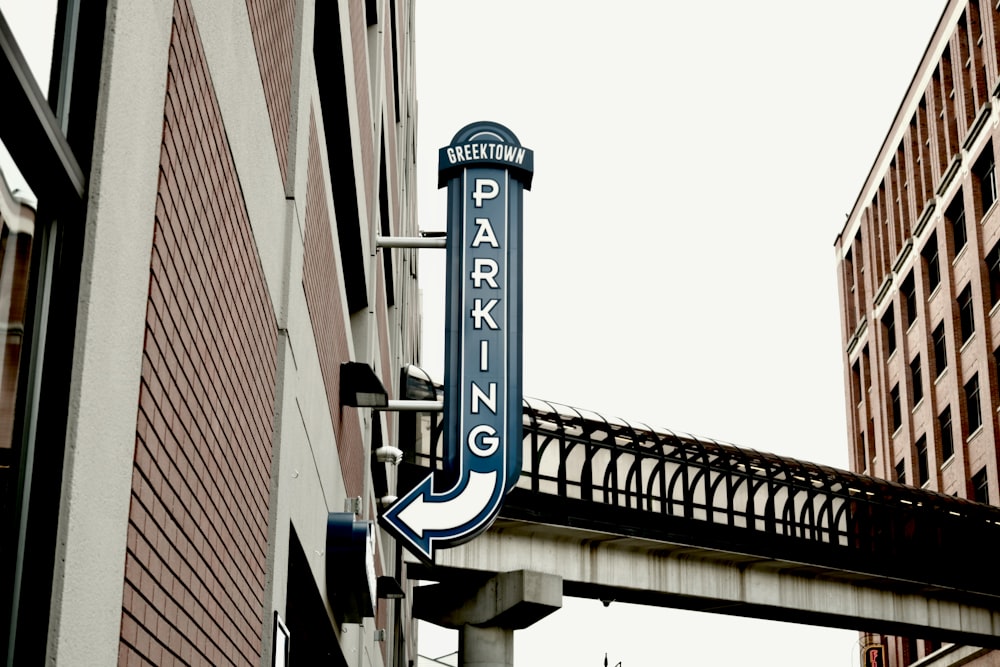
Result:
[[486, 613], [485, 647]]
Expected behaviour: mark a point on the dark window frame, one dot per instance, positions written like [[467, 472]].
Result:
[[966, 314], [939, 347], [916, 380], [932, 263], [923, 461], [984, 170], [53, 151], [896, 408], [980, 486], [947, 434], [908, 292], [992, 260], [889, 325], [973, 406], [955, 215]]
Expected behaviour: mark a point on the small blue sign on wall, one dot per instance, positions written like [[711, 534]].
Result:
[[486, 171]]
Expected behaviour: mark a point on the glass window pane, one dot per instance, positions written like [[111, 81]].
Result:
[[17, 228], [33, 25]]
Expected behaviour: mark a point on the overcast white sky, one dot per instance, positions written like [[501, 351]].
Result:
[[694, 162]]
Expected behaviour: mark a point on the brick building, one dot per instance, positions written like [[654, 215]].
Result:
[[919, 274], [210, 178]]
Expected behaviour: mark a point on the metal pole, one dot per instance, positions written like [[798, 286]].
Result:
[[411, 241], [411, 406]]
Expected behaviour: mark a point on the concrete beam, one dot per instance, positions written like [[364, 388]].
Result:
[[606, 566]]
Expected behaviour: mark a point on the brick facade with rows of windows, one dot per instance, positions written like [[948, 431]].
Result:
[[919, 281]]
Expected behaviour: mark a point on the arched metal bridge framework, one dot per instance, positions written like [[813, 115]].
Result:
[[587, 471]]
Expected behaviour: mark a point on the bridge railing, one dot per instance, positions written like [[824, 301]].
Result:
[[590, 471]]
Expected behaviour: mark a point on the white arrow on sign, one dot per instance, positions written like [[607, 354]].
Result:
[[424, 515]]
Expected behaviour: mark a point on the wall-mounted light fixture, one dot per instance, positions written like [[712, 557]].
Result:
[[360, 387], [388, 588]]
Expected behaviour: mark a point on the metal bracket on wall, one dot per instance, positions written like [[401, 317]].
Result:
[[412, 406], [425, 240]]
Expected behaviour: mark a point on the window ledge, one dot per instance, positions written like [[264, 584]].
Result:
[[975, 433], [977, 125], [988, 212], [925, 217], [968, 342], [904, 253], [959, 254], [949, 174], [858, 333], [883, 289]]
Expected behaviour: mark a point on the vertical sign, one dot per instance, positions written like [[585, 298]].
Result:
[[486, 171]]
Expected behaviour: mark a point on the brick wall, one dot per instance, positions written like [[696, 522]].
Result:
[[197, 535], [272, 23], [320, 276]]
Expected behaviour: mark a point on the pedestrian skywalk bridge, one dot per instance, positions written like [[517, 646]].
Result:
[[624, 511]]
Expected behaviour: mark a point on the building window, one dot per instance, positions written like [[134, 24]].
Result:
[[889, 324], [856, 381], [993, 268], [909, 295], [980, 487], [965, 313], [940, 345], [996, 361], [984, 171], [901, 472], [955, 215], [972, 409], [897, 412], [49, 142], [923, 467], [863, 452], [947, 441], [872, 449], [866, 369], [931, 263], [916, 379]]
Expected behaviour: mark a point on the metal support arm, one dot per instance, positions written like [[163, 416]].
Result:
[[410, 241], [412, 406]]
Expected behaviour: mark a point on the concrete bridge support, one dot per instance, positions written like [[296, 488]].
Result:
[[632, 569], [487, 613]]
